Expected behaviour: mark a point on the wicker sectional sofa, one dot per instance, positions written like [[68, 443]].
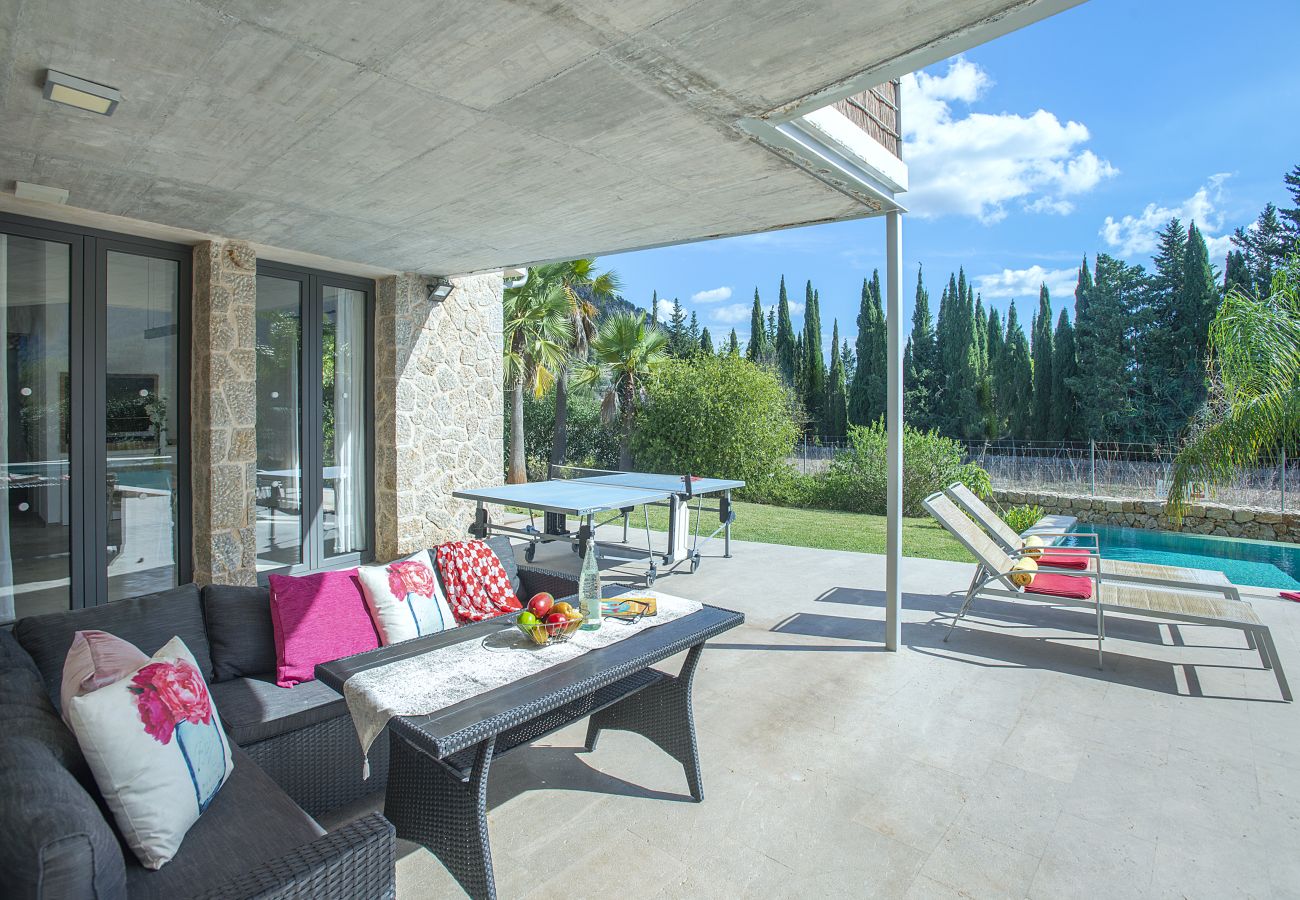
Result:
[[297, 757]]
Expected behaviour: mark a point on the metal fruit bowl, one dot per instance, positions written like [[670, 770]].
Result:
[[543, 634]]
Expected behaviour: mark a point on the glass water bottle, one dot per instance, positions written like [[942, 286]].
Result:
[[589, 590]]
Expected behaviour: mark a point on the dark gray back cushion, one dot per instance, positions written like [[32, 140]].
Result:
[[12, 654], [240, 631], [148, 622], [56, 843]]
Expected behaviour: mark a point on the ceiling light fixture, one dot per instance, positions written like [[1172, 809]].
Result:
[[72, 91], [440, 289], [42, 193]]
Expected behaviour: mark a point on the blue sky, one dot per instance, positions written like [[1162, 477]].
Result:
[[1094, 126]]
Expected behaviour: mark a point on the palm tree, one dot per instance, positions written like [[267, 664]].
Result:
[[1254, 406], [627, 350], [582, 287], [537, 335]]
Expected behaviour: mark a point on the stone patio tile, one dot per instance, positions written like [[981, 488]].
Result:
[[1084, 860], [980, 867], [1013, 807], [914, 803], [1196, 862]]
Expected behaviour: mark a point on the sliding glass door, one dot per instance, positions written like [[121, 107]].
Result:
[[94, 396], [314, 457]]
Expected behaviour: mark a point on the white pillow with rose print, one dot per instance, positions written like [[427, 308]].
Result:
[[157, 750], [405, 599]]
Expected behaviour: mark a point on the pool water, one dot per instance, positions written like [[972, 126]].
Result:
[[1245, 562]]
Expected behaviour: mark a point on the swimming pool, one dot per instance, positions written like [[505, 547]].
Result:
[[1255, 563]]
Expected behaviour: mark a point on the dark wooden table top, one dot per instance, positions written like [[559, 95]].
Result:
[[472, 720]]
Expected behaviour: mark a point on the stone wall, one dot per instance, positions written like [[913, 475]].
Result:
[[223, 413], [438, 407], [1201, 518]]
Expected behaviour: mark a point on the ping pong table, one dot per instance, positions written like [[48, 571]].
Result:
[[587, 494]]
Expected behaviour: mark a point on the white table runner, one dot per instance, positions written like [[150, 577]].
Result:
[[444, 677]]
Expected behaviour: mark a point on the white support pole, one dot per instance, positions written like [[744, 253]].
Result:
[[894, 428]]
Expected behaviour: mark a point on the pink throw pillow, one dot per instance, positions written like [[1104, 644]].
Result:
[[96, 659], [317, 618]]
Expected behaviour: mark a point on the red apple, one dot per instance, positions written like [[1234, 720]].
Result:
[[556, 622], [541, 604]]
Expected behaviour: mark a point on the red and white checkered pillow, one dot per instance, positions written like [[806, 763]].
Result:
[[477, 585]]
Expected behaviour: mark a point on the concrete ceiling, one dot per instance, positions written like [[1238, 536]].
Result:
[[454, 136]]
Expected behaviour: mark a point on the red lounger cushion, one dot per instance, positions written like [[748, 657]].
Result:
[[1071, 587], [1063, 559]]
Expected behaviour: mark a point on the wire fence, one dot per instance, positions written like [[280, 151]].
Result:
[[1096, 468]]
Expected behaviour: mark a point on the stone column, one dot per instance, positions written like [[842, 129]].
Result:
[[438, 412], [223, 412]]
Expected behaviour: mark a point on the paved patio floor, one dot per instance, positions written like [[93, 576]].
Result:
[[1003, 764]]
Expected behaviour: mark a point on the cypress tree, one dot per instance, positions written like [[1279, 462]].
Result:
[[1043, 351], [733, 343], [1265, 247], [756, 351], [814, 363], [770, 338], [1198, 301], [677, 333], [960, 415], [983, 373], [1159, 360], [835, 417], [919, 363], [1065, 405], [849, 360], [867, 391], [799, 374], [1018, 372], [1236, 276], [996, 353], [693, 334], [654, 308], [784, 346], [706, 341], [1104, 349]]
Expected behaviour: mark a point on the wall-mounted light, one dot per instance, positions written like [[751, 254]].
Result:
[[72, 91], [514, 276], [440, 289], [40, 192]]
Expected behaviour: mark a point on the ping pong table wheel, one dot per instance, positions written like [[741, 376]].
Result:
[[530, 551], [650, 576], [695, 562]]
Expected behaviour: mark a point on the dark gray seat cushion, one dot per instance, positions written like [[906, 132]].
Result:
[[240, 631], [148, 622], [250, 822], [256, 709]]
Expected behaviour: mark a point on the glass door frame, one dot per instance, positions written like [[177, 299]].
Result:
[[87, 417], [312, 284]]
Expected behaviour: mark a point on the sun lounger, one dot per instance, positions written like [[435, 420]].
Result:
[[1099, 591], [1082, 558]]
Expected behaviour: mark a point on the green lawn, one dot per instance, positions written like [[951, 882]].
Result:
[[824, 529]]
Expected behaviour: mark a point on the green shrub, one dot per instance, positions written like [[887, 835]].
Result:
[[856, 480], [1022, 518], [716, 416], [591, 442], [789, 487]]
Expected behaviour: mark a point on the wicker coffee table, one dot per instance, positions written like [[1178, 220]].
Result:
[[438, 768]]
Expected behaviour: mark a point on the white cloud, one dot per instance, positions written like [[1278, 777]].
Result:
[[732, 313], [713, 295], [1019, 283], [978, 164], [1135, 235], [665, 310]]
